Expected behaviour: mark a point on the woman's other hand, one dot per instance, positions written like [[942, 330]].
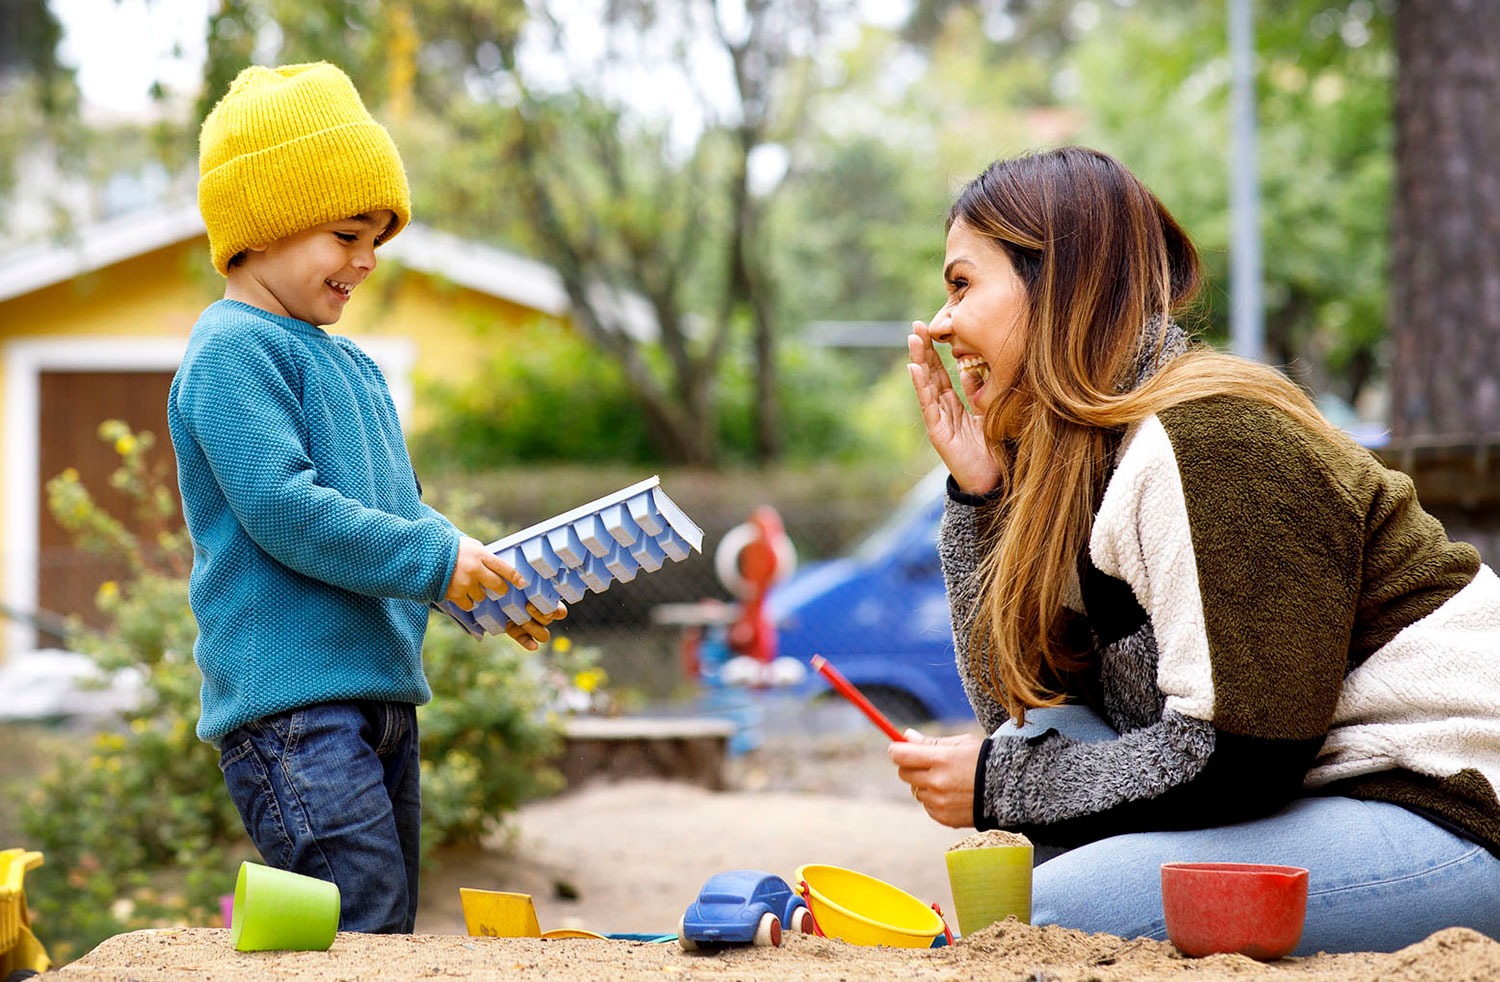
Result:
[[955, 433], [940, 771]]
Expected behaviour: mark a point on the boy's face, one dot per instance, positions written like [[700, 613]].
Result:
[[309, 275]]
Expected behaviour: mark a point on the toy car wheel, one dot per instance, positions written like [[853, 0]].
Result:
[[687, 943], [768, 931], [802, 921]]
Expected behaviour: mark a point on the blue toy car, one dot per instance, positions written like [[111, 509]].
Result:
[[881, 615], [743, 906]]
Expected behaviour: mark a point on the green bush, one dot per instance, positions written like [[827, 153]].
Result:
[[552, 396], [549, 396], [137, 828]]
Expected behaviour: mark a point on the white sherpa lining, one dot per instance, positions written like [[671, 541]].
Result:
[[1142, 536], [1428, 700]]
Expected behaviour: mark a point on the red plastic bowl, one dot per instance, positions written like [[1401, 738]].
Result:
[[1239, 908]]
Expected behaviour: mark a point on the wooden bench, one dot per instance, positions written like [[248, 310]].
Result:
[[690, 749]]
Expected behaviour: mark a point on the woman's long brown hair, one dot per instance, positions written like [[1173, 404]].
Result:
[[1104, 266]]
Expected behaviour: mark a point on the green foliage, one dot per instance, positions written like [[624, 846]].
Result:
[[892, 123], [1147, 81], [860, 235], [492, 723], [1324, 99], [137, 828], [548, 396], [552, 397], [819, 403]]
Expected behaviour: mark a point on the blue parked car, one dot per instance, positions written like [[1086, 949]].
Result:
[[743, 906], [880, 615]]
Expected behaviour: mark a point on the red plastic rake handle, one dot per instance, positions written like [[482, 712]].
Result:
[[848, 691]]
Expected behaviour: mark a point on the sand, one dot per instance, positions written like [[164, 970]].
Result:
[[630, 856], [1002, 953]]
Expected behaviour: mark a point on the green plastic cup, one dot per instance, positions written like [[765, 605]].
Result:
[[275, 910], [990, 884]]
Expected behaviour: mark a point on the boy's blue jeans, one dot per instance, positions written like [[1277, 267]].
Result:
[[1380, 877], [333, 791]]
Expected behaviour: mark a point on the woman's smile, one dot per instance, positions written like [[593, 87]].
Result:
[[983, 320]]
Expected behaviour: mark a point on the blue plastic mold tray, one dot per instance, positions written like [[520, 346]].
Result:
[[584, 550]]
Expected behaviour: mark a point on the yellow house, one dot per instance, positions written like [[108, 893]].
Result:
[[94, 330]]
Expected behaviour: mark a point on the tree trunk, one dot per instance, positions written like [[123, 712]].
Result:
[[1445, 378], [1445, 276], [748, 277]]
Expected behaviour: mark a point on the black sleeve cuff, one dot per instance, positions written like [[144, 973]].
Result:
[[972, 500], [982, 822]]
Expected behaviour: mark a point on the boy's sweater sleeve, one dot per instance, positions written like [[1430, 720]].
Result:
[[1242, 548], [241, 402]]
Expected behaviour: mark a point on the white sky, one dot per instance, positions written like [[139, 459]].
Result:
[[120, 47]]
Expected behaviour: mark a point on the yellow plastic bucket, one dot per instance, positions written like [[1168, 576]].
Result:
[[862, 910]]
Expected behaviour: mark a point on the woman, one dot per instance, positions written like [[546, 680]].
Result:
[[1200, 622]]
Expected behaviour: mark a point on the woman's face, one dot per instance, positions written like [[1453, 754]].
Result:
[[984, 319]]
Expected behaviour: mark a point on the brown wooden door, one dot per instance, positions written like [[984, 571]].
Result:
[[73, 404]]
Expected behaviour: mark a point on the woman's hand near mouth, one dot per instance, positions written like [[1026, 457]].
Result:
[[955, 433]]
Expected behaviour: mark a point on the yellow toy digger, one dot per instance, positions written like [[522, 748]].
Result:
[[21, 954]]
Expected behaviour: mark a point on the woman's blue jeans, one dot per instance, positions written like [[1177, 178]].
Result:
[[1380, 877], [333, 791]]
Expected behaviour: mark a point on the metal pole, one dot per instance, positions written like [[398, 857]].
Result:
[[1247, 319]]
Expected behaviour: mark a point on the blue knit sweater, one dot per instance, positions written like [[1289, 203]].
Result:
[[314, 558]]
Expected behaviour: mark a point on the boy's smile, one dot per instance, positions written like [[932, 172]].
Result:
[[310, 275]]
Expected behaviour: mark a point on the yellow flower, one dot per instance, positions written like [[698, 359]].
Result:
[[108, 590], [124, 444], [70, 474], [561, 645], [590, 679]]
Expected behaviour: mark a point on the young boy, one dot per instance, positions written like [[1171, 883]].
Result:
[[314, 558]]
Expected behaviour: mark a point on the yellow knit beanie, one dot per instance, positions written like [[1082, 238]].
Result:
[[290, 148]]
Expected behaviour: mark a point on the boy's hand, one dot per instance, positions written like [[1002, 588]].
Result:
[[531, 634], [476, 570]]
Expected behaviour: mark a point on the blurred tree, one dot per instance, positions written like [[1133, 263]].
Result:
[[811, 178], [1324, 84], [29, 34], [1324, 87], [1446, 270], [38, 96], [655, 225], [673, 232]]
